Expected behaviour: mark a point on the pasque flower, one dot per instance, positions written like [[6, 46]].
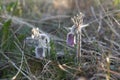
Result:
[[71, 41], [40, 41], [77, 30]]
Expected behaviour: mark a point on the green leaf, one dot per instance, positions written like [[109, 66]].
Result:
[[6, 29], [5, 32]]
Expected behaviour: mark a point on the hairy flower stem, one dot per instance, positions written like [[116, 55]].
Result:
[[79, 46]]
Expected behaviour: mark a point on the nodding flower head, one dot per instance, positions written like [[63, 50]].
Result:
[[71, 39], [40, 41]]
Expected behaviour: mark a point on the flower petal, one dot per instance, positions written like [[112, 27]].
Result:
[[70, 39], [39, 52]]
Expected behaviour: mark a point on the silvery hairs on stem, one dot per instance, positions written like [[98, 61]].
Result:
[[40, 41]]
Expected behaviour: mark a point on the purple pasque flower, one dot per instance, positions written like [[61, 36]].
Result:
[[71, 39]]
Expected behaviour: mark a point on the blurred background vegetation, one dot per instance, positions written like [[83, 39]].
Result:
[[100, 43]]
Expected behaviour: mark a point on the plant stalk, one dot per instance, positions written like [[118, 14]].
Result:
[[79, 46]]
